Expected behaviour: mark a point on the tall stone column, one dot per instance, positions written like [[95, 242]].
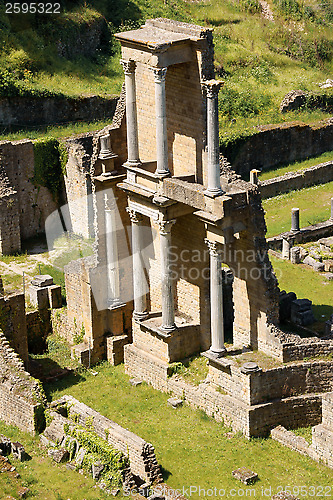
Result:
[[111, 251], [295, 219], [214, 184], [139, 279], [216, 300], [131, 114], [168, 308], [161, 123]]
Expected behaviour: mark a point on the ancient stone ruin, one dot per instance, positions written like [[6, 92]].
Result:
[[168, 214]]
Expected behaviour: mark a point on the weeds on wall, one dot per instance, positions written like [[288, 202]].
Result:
[[49, 165]]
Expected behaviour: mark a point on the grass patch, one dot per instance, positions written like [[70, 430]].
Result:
[[308, 284], [305, 432], [194, 370], [296, 166], [184, 439], [313, 202], [263, 360]]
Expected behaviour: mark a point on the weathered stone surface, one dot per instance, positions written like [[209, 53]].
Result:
[[96, 469], [42, 280], [18, 451], [284, 496], [23, 491], [301, 312], [175, 402], [317, 266], [328, 263], [80, 456], [5, 445], [135, 382], [58, 455], [245, 475], [295, 99]]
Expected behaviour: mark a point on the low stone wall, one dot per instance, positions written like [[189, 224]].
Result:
[[21, 399], [141, 454], [290, 440], [281, 144], [33, 111], [291, 181], [255, 420], [309, 233]]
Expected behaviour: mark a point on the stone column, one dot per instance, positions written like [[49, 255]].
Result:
[[216, 300], [111, 251], [168, 308], [139, 279], [285, 249], [131, 115], [331, 208], [254, 176], [295, 219], [214, 184], [161, 123]]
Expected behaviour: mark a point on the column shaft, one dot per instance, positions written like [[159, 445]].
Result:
[[112, 257], [295, 219], [131, 113], [214, 183], [216, 300], [161, 123], [139, 279], [168, 308]]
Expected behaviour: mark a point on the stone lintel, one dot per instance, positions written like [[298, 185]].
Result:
[[221, 363], [103, 180], [136, 190]]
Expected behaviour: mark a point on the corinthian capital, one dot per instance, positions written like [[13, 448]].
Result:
[[128, 66], [134, 216], [212, 247], [212, 87], [165, 226], [159, 74]]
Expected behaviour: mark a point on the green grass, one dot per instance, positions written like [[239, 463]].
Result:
[[58, 131], [192, 448], [306, 283], [296, 166], [313, 202], [193, 370]]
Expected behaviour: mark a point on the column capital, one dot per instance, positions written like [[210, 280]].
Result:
[[128, 66], [213, 247], [135, 216], [212, 87], [165, 226], [159, 74]]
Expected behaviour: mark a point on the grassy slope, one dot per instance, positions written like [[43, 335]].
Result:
[[246, 47], [296, 166], [313, 202]]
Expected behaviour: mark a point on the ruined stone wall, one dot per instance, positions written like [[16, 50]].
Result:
[[21, 399], [10, 238], [35, 203], [13, 323], [319, 174], [322, 434], [141, 454], [23, 111], [256, 420], [282, 144]]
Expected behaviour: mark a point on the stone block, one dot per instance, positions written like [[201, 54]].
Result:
[[5, 445], [285, 302], [328, 265], [295, 256], [39, 297], [42, 280], [81, 353], [284, 496], [317, 266], [175, 402], [18, 451], [245, 475], [97, 469], [80, 456], [55, 299], [58, 455], [22, 492], [115, 348], [135, 382]]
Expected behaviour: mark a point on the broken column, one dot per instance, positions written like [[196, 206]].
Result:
[[285, 248], [216, 300], [161, 123], [254, 176], [131, 114], [214, 184], [168, 307], [295, 219], [106, 155], [139, 279]]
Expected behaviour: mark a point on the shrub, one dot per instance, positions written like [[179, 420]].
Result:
[[48, 169]]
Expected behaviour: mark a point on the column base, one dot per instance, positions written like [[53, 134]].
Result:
[[163, 173], [132, 163], [140, 316], [168, 329], [213, 193], [218, 353]]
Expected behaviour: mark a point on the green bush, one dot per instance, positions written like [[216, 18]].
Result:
[[243, 102], [48, 168]]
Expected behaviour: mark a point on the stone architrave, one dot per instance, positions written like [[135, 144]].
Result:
[[133, 158]]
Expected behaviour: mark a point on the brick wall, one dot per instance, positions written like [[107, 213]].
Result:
[[13, 323]]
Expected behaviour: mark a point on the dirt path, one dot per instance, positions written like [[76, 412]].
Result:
[[266, 11]]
